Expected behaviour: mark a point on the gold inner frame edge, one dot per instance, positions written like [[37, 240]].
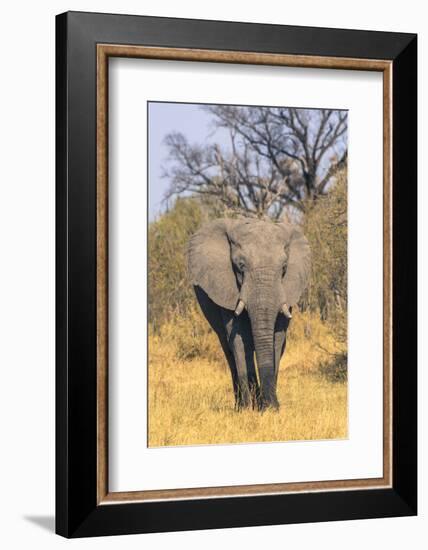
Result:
[[104, 51]]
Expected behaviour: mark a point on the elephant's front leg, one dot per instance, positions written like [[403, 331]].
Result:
[[242, 347]]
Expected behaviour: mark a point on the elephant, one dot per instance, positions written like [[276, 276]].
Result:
[[247, 275]]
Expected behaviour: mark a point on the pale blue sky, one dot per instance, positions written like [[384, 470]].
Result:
[[187, 118]]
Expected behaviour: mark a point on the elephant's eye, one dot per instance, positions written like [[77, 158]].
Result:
[[284, 268], [241, 265]]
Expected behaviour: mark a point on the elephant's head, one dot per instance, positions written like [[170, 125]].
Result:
[[258, 265]]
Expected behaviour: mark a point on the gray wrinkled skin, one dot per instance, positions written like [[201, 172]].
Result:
[[247, 275]]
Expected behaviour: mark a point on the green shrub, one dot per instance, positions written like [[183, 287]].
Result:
[[336, 368], [326, 227], [170, 294]]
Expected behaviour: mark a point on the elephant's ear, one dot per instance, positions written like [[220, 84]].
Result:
[[210, 264], [299, 266]]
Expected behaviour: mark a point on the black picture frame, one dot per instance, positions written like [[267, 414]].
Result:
[[77, 512]]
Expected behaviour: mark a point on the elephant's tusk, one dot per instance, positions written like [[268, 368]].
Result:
[[239, 308], [286, 311]]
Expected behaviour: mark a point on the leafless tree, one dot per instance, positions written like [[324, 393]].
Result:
[[277, 158]]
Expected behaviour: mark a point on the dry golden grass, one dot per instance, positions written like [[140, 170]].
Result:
[[191, 399]]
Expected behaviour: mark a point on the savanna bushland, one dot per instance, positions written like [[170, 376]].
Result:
[[279, 163]]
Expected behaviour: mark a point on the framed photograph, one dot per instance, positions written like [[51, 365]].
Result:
[[236, 274]]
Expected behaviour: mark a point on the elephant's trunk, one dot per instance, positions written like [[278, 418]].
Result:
[[265, 356], [263, 310]]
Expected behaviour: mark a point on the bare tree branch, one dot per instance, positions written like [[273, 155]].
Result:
[[277, 158]]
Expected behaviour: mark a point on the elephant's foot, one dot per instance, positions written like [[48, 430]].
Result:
[[255, 395], [245, 398], [242, 404], [265, 404]]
